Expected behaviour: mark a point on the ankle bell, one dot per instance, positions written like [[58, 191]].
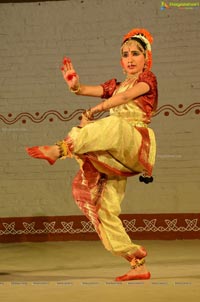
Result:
[[137, 262], [62, 149]]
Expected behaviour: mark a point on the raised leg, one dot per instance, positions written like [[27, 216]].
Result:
[[49, 153]]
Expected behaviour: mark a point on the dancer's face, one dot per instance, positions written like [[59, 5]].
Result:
[[133, 58]]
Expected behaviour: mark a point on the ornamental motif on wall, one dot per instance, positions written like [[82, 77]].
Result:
[[52, 115], [87, 227]]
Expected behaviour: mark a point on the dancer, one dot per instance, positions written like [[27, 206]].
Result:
[[112, 148]]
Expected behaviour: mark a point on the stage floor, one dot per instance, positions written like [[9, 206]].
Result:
[[85, 271]]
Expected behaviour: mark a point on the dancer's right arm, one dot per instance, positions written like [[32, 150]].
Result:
[[72, 79]]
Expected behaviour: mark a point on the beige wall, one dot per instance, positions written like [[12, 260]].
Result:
[[34, 37]]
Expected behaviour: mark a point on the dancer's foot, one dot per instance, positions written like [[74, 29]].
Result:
[[138, 273], [49, 153]]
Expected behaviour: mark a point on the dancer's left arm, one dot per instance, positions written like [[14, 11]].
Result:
[[121, 98]]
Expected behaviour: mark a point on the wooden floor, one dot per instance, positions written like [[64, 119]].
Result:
[[85, 271]]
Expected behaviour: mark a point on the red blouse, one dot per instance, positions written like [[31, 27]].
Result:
[[148, 101]]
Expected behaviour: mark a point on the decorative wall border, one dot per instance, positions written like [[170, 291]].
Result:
[[65, 116], [166, 109], [63, 228]]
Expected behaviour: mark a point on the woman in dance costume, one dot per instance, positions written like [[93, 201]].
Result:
[[112, 148]]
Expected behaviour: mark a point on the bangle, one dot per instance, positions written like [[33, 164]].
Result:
[[88, 115], [77, 90]]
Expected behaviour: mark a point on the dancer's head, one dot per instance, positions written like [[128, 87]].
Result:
[[136, 51]]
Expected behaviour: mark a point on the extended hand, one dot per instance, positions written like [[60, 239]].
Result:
[[69, 74]]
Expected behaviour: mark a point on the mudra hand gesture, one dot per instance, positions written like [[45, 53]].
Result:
[[72, 79], [70, 76]]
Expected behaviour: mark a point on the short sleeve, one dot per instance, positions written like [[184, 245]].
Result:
[[149, 78], [150, 99], [108, 88]]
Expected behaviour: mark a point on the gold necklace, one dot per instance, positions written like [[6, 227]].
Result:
[[129, 80]]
